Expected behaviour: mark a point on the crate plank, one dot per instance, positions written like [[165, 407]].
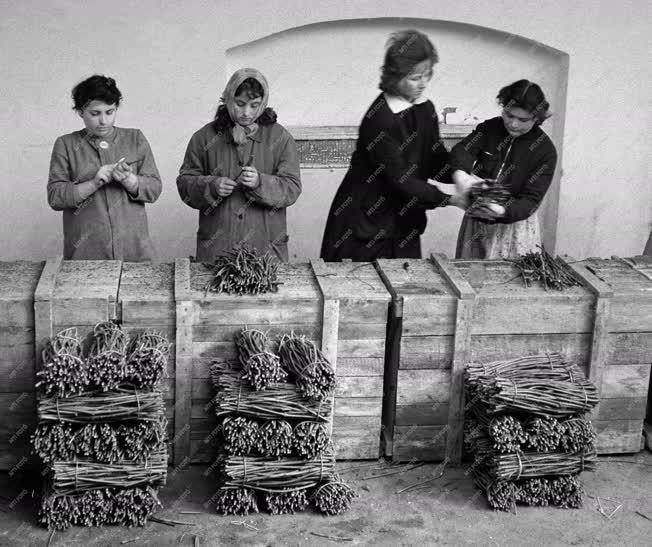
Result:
[[627, 348], [18, 282], [618, 436], [356, 438], [430, 414], [423, 386], [424, 443], [146, 292], [428, 315], [622, 408], [17, 358], [625, 381]]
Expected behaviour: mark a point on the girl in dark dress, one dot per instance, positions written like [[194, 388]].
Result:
[[379, 210]]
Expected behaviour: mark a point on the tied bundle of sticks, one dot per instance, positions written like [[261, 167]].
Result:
[[103, 506], [79, 475], [550, 271], [485, 195], [565, 491], [278, 401], [116, 406], [107, 356], [64, 372], [243, 271], [105, 442], [260, 365], [508, 433], [307, 366], [526, 421], [543, 385], [147, 357]]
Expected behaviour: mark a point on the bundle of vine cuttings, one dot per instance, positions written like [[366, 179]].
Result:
[[260, 366], [307, 365], [64, 371], [106, 361], [278, 401], [485, 193], [285, 503], [508, 433], [147, 358], [115, 406], [311, 439], [565, 491], [543, 267], [333, 497], [243, 271], [275, 438], [240, 435], [276, 475], [546, 366], [104, 442], [103, 506], [236, 501], [79, 475]]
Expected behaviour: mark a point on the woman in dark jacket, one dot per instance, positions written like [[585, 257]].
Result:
[[515, 152], [379, 210]]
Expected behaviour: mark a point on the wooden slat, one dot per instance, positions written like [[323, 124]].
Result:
[[17, 358], [185, 313], [356, 438], [428, 315], [622, 408], [424, 443], [423, 386], [618, 436], [625, 381], [43, 296], [627, 348], [264, 312], [432, 414], [18, 422], [18, 282]]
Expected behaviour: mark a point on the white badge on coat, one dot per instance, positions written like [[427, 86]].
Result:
[[104, 145]]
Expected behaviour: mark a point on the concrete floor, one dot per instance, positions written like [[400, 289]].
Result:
[[449, 511]]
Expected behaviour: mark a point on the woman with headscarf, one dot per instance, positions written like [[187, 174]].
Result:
[[512, 151], [101, 177], [379, 210], [241, 171]]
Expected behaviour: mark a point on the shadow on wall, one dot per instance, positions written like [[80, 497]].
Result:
[[327, 74]]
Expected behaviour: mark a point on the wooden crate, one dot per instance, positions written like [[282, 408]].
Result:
[[453, 312], [146, 301], [625, 343], [18, 282], [342, 308]]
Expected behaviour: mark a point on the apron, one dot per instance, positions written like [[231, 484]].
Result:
[[484, 240]]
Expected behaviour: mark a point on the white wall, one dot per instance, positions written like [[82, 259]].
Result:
[[170, 63]]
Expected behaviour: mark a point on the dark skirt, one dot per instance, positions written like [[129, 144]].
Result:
[[358, 250]]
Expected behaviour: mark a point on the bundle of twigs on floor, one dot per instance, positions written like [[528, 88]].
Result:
[[503, 388], [526, 420], [278, 401], [79, 475], [485, 193], [104, 442], [564, 491], [116, 406], [243, 271], [307, 366], [64, 372], [104, 506], [260, 365], [543, 267]]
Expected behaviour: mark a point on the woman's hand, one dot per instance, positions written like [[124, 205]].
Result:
[[489, 211], [460, 200], [249, 177], [104, 174], [463, 181], [224, 186], [124, 174]]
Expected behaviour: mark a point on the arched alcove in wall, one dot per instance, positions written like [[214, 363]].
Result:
[[325, 75]]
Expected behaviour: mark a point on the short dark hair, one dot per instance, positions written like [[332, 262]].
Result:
[[405, 50], [95, 88], [528, 96]]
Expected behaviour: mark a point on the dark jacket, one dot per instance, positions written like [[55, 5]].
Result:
[[527, 171], [385, 193], [255, 217], [110, 224]]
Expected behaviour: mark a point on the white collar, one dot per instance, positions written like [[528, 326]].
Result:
[[399, 104]]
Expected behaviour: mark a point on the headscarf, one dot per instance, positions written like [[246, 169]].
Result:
[[239, 132]]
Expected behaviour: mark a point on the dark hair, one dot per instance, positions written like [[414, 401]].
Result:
[[405, 50], [95, 88], [253, 89], [528, 96]]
